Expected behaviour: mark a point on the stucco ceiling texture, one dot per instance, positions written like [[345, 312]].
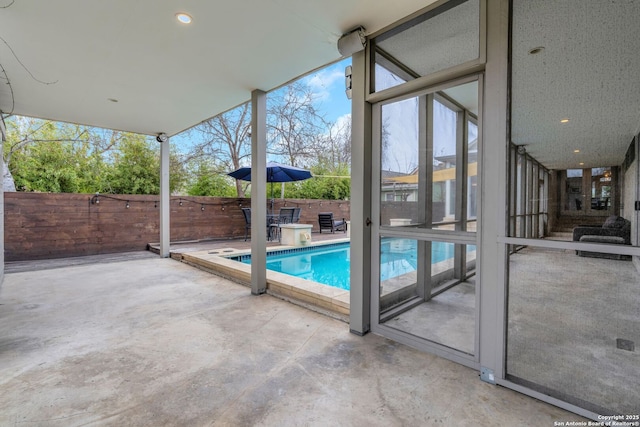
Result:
[[68, 59], [588, 72]]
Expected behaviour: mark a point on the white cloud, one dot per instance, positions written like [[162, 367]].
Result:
[[321, 82], [342, 122]]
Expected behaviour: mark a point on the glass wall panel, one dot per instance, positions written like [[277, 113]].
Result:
[[438, 40], [528, 196], [472, 174], [425, 285], [385, 78], [398, 272], [423, 140], [574, 328], [445, 138], [573, 320], [425, 292], [584, 147], [399, 195]]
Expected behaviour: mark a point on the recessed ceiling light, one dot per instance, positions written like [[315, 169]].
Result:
[[581, 163], [576, 151], [536, 50], [184, 18], [564, 121]]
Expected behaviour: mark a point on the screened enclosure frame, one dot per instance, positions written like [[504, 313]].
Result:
[[510, 217], [425, 231]]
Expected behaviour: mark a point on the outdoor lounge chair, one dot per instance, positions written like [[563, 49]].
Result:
[[326, 221], [615, 231]]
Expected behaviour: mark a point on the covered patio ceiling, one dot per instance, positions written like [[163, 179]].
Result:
[[131, 66]]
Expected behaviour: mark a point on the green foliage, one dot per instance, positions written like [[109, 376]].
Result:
[[46, 156], [135, 168], [46, 169], [51, 159], [325, 184], [207, 180]]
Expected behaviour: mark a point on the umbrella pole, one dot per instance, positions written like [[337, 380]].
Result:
[[271, 196]]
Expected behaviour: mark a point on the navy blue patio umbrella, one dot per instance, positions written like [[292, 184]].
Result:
[[276, 172]]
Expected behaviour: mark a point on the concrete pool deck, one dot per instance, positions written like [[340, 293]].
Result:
[[212, 256], [328, 300], [316, 296], [153, 341]]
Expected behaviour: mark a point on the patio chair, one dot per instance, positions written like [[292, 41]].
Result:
[[326, 221], [284, 217], [247, 222], [296, 215]]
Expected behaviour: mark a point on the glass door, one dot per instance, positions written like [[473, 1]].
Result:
[[590, 191], [426, 155]]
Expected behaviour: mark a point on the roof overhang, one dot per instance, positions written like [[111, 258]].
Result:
[[131, 66]]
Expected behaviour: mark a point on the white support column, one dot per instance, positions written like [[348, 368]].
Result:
[[360, 294], [258, 192], [165, 196], [492, 174]]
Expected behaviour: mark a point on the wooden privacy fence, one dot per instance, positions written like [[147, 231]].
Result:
[[45, 225]]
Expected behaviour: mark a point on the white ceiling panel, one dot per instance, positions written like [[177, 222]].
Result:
[[66, 59]]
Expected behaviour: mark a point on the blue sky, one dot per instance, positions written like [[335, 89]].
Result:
[[327, 84]]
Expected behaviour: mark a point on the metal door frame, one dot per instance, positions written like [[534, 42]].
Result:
[[457, 236]]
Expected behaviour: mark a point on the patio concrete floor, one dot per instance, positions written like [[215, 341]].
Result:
[[150, 341]]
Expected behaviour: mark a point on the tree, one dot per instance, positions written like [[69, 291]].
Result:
[[178, 173], [46, 156], [59, 157], [297, 134], [135, 168], [226, 138], [333, 148], [293, 123], [328, 183], [207, 180]]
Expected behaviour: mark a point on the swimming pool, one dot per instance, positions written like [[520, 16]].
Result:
[[330, 264]]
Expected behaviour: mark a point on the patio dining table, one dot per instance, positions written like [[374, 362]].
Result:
[[285, 216]]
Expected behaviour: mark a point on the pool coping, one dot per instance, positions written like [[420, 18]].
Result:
[[313, 295], [325, 299]]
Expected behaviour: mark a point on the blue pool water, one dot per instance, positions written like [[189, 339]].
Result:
[[330, 264]]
